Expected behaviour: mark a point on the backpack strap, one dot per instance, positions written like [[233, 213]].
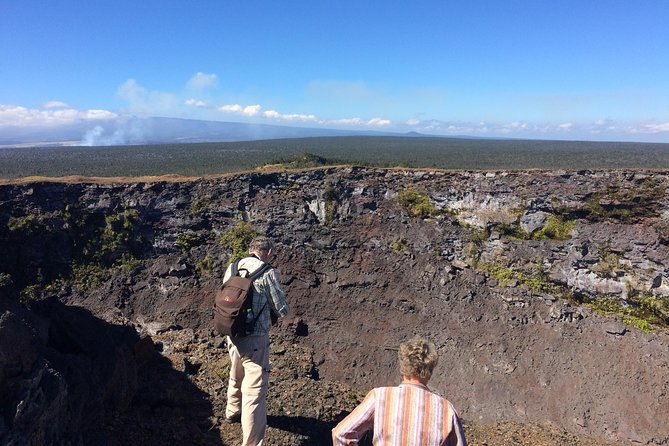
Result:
[[234, 268], [257, 273]]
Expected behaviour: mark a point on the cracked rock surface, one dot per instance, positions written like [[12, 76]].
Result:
[[130, 358]]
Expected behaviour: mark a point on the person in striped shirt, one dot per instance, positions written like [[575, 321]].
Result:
[[406, 415]]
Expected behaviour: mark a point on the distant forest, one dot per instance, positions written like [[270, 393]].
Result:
[[198, 159]]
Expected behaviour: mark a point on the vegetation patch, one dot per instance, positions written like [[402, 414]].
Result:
[[27, 225], [205, 267], [199, 205], [624, 204], [399, 245], [128, 262], [237, 239], [29, 294], [331, 196], [643, 311], [5, 279], [119, 235], [556, 228], [418, 203], [513, 231], [304, 160], [536, 281], [188, 240], [89, 276]]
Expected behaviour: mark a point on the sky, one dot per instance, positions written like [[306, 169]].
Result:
[[577, 70]]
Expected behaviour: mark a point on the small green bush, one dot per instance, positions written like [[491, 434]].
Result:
[[514, 231], [205, 267], [237, 239], [535, 281], [644, 311], [118, 232], [88, 277], [29, 294], [417, 203], [556, 228], [198, 205], [128, 262], [5, 279], [27, 224], [399, 245], [188, 240]]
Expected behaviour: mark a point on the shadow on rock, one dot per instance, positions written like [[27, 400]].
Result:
[[68, 377], [318, 432]]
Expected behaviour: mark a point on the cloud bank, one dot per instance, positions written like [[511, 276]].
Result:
[[195, 101], [18, 116]]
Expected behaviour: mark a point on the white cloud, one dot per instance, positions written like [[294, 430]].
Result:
[[17, 116], [236, 108], [248, 111], [201, 81], [379, 122], [291, 117], [655, 128], [412, 121], [346, 121], [195, 102], [566, 125], [55, 104], [98, 115], [251, 110]]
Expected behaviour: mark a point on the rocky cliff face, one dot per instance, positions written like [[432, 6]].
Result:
[[543, 291]]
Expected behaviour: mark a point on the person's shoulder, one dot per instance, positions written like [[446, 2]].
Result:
[[250, 263]]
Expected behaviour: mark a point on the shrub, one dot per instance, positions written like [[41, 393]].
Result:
[[88, 277], [237, 239], [5, 279], [417, 203], [29, 294], [199, 204], [118, 232], [28, 224], [55, 286], [644, 311], [536, 281], [188, 240], [556, 228], [128, 262], [205, 267], [399, 245]]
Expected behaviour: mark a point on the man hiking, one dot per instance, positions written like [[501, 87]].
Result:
[[249, 355]]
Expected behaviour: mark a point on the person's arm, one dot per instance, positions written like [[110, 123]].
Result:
[[351, 429], [278, 297], [457, 435], [228, 273]]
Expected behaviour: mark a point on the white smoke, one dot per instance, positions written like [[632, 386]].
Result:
[[126, 132]]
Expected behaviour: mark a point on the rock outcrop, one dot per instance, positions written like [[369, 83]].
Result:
[[543, 291]]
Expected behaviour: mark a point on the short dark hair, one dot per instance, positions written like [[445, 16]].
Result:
[[261, 244]]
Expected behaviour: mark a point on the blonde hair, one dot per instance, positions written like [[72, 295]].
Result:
[[418, 358]]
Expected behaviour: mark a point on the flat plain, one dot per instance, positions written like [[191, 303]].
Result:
[[198, 159]]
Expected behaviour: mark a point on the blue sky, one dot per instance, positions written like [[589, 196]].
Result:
[[593, 70]]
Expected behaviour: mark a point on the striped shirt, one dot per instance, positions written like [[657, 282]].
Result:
[[268, 294], [407, 415]]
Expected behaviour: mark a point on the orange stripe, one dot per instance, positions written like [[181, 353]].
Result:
[[407, 415], [427, 418]]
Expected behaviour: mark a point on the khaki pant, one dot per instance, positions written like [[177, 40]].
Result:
[[247, 387]]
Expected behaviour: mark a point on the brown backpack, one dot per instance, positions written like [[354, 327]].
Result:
[[233, 303]]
